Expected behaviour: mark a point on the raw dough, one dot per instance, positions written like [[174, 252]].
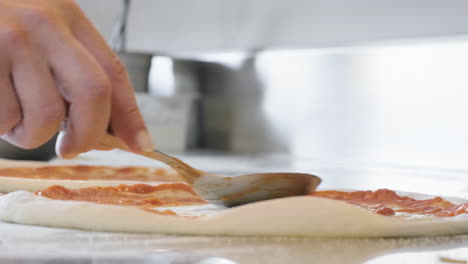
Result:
[[296, 216], [10, 184]]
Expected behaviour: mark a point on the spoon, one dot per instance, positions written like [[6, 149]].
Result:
[[232, 191]]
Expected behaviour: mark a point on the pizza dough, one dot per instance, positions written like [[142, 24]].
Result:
[[296, 216], [10, 184]]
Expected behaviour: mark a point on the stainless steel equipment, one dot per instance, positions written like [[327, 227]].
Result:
[[373, 82], [363, 86]]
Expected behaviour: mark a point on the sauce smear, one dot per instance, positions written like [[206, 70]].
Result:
[[141, 195], [82, 172], [389, 203]]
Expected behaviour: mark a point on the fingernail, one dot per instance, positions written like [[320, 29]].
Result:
[[59, 147], [70, 156], [144, 141]]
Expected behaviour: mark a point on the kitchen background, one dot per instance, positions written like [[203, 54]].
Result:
[[366, 82], [366, 94]]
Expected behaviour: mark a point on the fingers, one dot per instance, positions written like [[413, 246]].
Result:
[[60, 139], [87, 90], [50, 74], [126, 120], [10, 110], [42, 107]]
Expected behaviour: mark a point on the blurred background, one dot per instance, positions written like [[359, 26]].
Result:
[[367, 81]]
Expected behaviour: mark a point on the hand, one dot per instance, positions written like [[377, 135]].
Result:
[[54, 65]]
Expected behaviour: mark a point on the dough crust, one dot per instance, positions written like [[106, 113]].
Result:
[[296, 216]]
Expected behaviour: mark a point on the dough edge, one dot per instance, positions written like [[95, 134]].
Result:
[[279, 217]]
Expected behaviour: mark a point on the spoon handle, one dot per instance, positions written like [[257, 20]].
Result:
[[189, 173]]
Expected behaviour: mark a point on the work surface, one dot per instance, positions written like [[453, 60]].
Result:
[[28, 244]]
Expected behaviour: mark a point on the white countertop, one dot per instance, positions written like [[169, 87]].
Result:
[[31, 244], [28, 244]]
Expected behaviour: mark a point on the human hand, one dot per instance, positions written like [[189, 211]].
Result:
[[54, 65]]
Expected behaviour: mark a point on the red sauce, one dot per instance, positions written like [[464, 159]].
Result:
[[81, 172], [387, 202], [142, 195]]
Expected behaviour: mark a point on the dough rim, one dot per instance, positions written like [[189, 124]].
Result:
[[279, 217]]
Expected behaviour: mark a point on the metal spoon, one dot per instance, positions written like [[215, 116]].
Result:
[[237, 190]]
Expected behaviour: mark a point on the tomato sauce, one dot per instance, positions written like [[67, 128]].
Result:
[[142, 195], [83, 172], [389, 203]]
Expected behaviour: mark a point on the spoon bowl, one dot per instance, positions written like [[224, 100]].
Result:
[[243, 189], [236, 190]]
